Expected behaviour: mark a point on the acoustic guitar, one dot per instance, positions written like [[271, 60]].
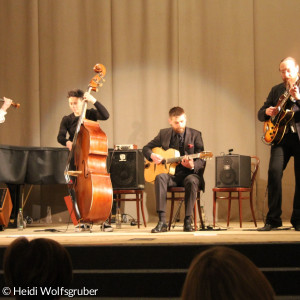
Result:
[[171, 159], [274, 129]]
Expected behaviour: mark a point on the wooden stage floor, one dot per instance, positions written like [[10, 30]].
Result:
[[131, 235], [127, 251]]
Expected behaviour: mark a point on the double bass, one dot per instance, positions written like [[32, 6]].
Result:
[[86, 174]]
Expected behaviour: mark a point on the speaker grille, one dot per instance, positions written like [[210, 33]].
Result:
[[228, 177], [126, 169], [233, 171]]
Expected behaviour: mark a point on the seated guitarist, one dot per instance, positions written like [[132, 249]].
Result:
[[289, 145], [189, 173]]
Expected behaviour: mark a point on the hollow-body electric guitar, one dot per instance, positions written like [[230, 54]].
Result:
[[171, 159], [275, 127]]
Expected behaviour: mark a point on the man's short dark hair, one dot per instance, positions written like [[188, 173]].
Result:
[[176, 111], [75, 93]]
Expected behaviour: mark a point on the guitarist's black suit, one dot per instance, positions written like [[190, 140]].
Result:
[[190, 179], [280, 156]]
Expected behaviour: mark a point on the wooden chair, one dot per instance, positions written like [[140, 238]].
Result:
[[181, 190], [240, 191], [137, 197]]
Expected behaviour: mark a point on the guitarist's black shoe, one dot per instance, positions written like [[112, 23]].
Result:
[[160, 227], [267, 227], [187, 227]]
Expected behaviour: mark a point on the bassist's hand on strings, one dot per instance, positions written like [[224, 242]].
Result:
[[271, 111], [89, 98], [187, 162], [156, 158]]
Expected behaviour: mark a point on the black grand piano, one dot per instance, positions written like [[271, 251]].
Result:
[[31, 165]]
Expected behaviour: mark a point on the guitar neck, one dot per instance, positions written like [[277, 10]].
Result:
[[282, 101], [285, 96], [178, 159]]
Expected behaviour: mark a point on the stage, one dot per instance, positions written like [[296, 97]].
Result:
[[134, 263], [68, 235]]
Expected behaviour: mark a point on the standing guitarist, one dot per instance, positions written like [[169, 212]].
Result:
[[287, 147], [189, 173]]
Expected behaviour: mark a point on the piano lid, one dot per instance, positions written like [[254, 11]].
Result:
[[32, 165]]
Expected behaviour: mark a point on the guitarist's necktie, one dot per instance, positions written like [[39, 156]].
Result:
[[176, 141], [180, 140]]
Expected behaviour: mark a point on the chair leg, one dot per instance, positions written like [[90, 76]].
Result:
[[118, 204], [195, 215], [252, 210], [240, 208], [200, 212], [137, 209], [214, 208], [142, 208], [171, 213], [109, 218], [229, 208]]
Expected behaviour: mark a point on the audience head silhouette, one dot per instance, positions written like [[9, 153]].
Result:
[[38, 263], [225, 274]]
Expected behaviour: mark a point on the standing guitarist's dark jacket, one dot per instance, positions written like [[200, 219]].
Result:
[[192, 144], [272, 100]]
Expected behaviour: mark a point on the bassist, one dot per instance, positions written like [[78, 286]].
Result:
[[288, 146], [67, 129], [68, 123], [188, 174]]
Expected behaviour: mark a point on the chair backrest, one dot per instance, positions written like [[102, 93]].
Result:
[[256, 162]]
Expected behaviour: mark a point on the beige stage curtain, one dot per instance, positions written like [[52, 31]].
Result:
[[217, 59]]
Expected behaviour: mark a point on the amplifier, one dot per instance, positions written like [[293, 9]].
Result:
[[126, 169]]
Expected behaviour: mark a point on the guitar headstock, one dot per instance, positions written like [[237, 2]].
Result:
[[98, 79], [206, 155]]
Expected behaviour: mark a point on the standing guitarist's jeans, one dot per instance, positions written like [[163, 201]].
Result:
[[190, 183], [280, 156]]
